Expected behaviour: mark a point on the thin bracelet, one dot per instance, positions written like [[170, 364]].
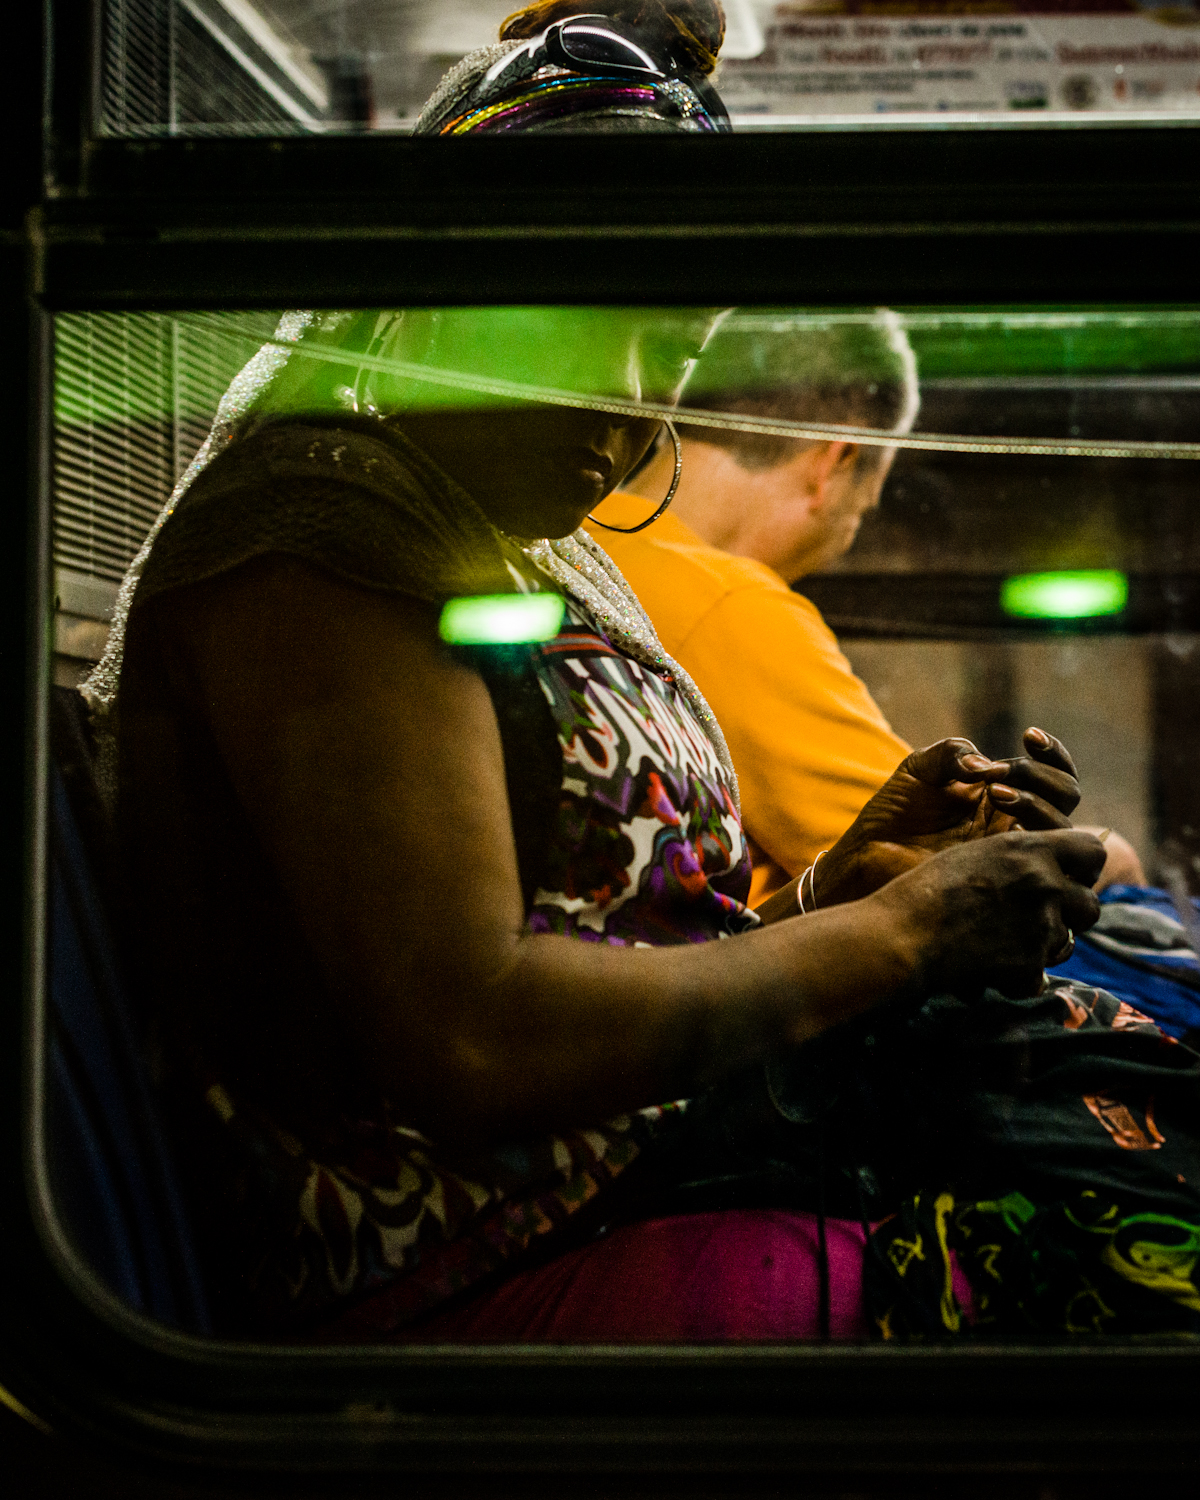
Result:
[[811, 876]]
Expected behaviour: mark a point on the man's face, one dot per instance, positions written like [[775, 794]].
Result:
[[853, 490], [796, 517]]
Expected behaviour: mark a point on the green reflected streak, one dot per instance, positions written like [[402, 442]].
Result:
[[1065, 596], [501, 619]]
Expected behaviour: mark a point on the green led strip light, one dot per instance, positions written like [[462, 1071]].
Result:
[[1065, 596], [501, 619]]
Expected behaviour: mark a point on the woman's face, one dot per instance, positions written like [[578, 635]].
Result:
[[537, 470]]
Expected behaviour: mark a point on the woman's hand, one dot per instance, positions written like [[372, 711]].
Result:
[[945, 795], [995, 913]]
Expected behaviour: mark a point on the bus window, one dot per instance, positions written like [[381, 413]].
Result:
[[409, 748]]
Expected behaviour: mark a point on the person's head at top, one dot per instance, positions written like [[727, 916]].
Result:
[[615, 66], [793, 504]]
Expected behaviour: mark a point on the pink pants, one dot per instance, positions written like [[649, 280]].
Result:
[[739, 1274]]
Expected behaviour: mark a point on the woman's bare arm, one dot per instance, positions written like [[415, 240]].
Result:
[[371, 765]]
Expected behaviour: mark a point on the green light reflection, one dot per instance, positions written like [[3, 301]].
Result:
[[1065, 596], [501, 619]]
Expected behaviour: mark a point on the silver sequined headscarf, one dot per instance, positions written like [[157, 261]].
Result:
[[576, 564]]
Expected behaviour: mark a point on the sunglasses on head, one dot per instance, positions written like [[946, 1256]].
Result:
[[600, 47]]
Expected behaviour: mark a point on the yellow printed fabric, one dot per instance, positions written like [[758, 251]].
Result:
[[809, 743], [1098, 1232]]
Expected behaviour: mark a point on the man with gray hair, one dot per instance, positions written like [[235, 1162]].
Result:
[[752, 515]]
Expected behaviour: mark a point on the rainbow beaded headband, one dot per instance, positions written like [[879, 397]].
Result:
[[584, 65]]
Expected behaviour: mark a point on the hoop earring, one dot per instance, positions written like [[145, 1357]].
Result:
[[641, 525]]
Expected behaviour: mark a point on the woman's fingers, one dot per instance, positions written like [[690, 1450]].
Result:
[[1046, 748], [1008, 906], [1063, 951], [1080, 856], [946, 761], [1080, 908], [1048, 775], [1047, 772], [1030, 812], [1057, 787]]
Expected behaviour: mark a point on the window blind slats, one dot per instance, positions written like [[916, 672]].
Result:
[[135, 395]]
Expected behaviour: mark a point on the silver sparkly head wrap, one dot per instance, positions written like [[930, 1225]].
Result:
[[100, 689]]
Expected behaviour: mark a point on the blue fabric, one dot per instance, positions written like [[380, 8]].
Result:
[[1175, 1006], [112, 1175]]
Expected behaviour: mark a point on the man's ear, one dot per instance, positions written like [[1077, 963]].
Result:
[[830, 460]]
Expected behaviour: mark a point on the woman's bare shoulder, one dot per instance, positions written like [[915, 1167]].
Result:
[[281, 626]]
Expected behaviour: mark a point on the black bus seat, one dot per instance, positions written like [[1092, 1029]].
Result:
[[113, 1178]]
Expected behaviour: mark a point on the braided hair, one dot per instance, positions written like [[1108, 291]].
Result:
[[693, 30]]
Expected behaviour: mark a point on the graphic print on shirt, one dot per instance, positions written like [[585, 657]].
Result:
[[645, 808]]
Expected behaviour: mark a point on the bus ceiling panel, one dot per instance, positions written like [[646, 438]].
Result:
[[126, 265]]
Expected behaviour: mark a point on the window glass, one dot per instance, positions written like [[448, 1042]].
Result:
[[242, 67], [991, 513]]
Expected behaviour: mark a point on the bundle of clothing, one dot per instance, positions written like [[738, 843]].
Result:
[[1141, 951], [1047, 1150]]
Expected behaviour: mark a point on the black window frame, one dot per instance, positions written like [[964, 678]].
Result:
[[1102, 214]]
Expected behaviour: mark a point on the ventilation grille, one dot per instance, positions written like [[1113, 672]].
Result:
[[185, 67], [135, 395], [135, 90]]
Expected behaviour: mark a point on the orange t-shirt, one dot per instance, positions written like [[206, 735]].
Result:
[[808, 741]]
